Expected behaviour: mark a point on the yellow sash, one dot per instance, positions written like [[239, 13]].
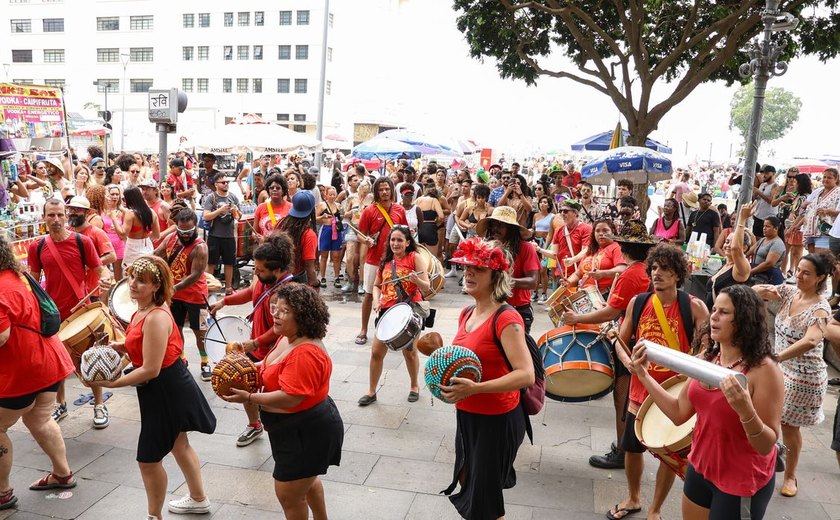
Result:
[[385, 215], [271, 214], [673, 342]]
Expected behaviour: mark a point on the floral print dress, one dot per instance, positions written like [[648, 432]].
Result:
[[806, 379]]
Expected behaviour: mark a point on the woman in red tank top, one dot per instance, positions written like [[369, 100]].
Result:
[[171, 403], [733, 451]]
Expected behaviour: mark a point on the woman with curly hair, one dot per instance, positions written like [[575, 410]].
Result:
[[491, 422], [303, 424], [96, 196], [733, 448], [300, 226], [171, 404], [800, 325]]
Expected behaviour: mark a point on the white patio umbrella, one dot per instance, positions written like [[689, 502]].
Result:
[[264, 137]]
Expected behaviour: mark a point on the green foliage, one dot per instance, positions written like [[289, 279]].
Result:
[[781, 111]]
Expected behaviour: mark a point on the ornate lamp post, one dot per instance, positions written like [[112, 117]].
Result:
[[763, 64]]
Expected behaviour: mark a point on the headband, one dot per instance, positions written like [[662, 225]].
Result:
[[144, 265]]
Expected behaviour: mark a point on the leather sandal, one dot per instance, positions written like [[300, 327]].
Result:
[[8, 499], [60, 482]]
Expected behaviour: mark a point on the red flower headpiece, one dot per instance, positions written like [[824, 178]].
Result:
[[479, 253]]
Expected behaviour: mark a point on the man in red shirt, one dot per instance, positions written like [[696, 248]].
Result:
[[181, 183], [78, 211], [570, 242], [270, 213], [65, 258], [668, 268], [502, 225], [272, 265], [635, 244], [377, 227]]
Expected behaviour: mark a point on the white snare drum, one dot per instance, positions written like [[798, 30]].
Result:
[[120, 303], [587, 300], [399, 327], [223, 331]]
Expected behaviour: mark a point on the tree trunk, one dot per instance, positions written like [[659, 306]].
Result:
[[640, 191]]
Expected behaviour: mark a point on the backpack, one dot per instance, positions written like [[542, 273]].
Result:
[[50, 317], [683, 300]]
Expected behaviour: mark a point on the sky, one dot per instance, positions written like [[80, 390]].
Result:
[[406, 63]]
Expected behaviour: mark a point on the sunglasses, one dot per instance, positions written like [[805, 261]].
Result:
[[222, 182], [186, 231], [98, 167], [275, 187], [133, 171]]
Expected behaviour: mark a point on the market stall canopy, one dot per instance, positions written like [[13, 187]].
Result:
[[259, 137], [336, 142], [812, 166], [385, 149], [636, 163], [94, 129], [599, 142]]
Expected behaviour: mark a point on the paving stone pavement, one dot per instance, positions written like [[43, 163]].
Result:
[[397, 455]]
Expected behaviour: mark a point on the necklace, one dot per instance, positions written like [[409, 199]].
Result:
[[730, 366]]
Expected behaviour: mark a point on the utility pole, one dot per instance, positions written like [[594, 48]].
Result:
[[322, 86], [763, 64], [124, 58]]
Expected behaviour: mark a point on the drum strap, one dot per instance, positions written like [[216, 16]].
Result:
[[80, 294], [266, 294], [673, 342]]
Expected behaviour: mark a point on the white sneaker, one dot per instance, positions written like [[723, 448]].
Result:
[[186, 506], [451, 274], [100, 416]]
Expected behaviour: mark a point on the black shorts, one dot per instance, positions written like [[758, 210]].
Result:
[[723, 506], [23, 401], [221, 247], [181, 310], [835, 440], [620, 369], [629, 441]]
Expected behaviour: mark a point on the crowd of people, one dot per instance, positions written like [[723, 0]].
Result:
[[510, 239]]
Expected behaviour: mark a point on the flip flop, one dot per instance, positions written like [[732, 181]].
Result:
[[413, 397], [361, 339], [83, 399], [627, 511], [106, 396]]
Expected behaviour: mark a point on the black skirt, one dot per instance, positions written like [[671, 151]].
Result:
[[170, 404], [485, 448], [306, 443]]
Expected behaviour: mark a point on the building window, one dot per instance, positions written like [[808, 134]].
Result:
[[141, 85], [142, 54], [329, 87], [53, 24], [21, 26], [228, 52], [282, 117], [111, 85], [331, 20], [257, 52], [285, 18], [242, 52], [283, 88], [285, 52], [54, 83], [108, 23], [187, 53], [203, 53], [303, 17], [227, 85], [300, 86], [259, 18], [141, 23], [22, 81], [107, 55], [204, 19], [300, 128], [243, 19], [329, 53], [187, 84], [189, 21], [257, 84], [302, 52], [228, 19], [241, 85], [22, 56], [202, 84], [53, 55]]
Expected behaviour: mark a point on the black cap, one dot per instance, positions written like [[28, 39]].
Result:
[[206, 156], [768, 168], [176, 163]]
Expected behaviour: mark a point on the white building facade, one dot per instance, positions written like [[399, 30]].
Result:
[[252, 56]]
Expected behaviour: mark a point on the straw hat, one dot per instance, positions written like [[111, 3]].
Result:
[[505, 215], [690, 199], [635, 232]]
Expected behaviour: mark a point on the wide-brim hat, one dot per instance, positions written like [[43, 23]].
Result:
[[690, 199], [57, 163], [506, 215], [303, 203], [79, 202], [147, 183], [634, 232]]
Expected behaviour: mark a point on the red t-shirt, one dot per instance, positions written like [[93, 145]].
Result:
[[526, 260], [262, 326], [305, 371], [262, 217], [58, 287], [603, 260], [389, 294], [134, 342], [103, 246], [634, 280], [308, 250], [181, 183], [648, 328], [579, 236], [28, 361], [493, 365], [372, 222]]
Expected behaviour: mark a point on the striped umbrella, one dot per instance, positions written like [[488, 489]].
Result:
[[617, 137]]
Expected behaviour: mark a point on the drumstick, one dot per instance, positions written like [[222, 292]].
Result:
[[409, 275], [612, 287], [458, 230], [359, 233], [207, 302], [612, 334], [83, 300]]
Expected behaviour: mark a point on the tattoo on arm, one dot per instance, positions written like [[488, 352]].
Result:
[[3, 450]]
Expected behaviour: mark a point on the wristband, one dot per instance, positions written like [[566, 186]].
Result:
[[754, 435], [750, 419]]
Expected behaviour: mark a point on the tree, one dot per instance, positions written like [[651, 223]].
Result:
[[781, 111], [627, 48]]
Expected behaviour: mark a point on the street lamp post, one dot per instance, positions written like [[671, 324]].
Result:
[[763, 64], [322, 86], [106, 87], [124, 58]]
